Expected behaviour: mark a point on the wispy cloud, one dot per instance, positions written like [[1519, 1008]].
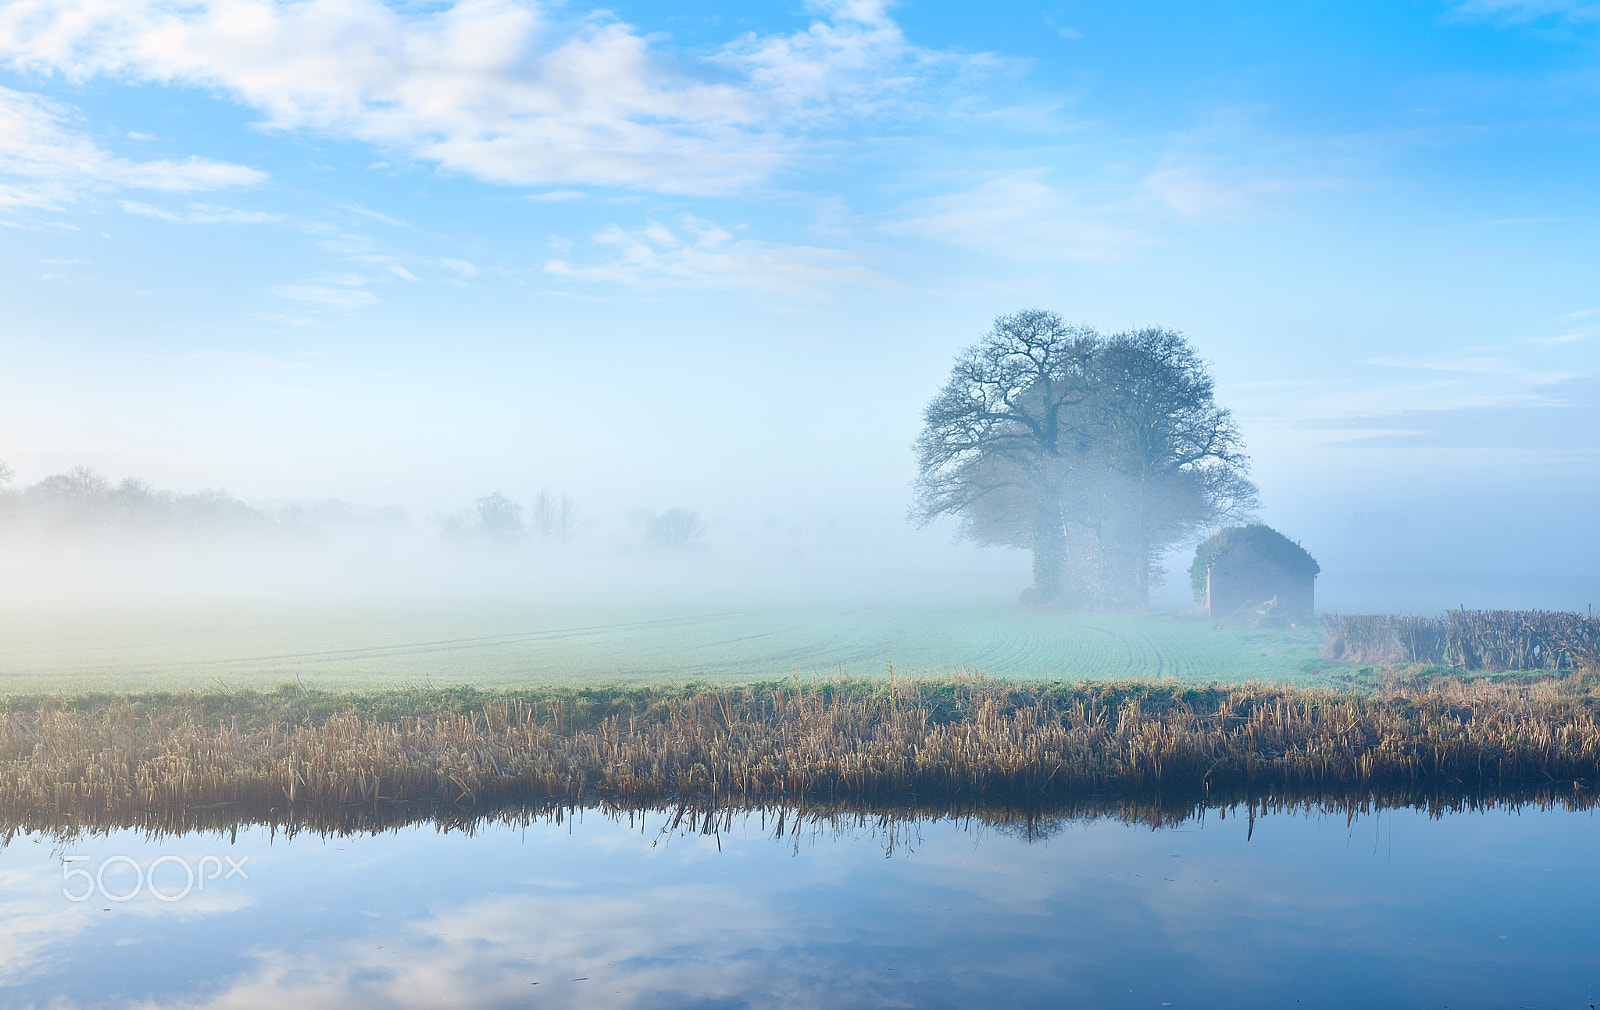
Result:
[[1018, 216], [199, 213], [498, 89], [1500, 222], [1196, 187], [1515, 11], [368, 212], [1226, 166], [1443, 399], [853, 57], [48, 160], [326, 296], [1232, 161], [701, 254], [1569, 337], [1396, 399], [1466, 361]]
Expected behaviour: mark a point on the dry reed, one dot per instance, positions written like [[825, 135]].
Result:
[[1467, 639], [956, 741]]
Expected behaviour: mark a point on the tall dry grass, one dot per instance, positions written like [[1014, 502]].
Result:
[[957, 741], [1467, 639]]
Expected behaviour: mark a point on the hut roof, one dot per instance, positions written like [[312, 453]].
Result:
[[1257, 538]]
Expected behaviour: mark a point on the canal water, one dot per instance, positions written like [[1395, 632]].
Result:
[[1496, 908]]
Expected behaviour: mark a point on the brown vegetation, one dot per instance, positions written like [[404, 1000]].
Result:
[[134, 761], [1467, 639]]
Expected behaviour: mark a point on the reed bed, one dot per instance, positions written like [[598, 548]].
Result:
[[1467, 639], [947, 743]]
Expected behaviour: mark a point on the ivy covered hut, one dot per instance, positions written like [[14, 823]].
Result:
[[1254, 575]]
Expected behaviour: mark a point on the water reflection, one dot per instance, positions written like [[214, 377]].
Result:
[[668, 909]]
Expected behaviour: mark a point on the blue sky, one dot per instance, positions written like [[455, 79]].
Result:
[[720, 255]]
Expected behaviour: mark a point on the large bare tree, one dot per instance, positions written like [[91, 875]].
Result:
[[1000, 440], [1172, 458], [1095, 453]]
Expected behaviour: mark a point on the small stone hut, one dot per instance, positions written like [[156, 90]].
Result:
[[1254, 575]]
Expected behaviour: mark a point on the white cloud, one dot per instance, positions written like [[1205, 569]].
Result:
[[1230, 162], [199, 213], [497, 89], [368, 212], [855, 56], [46, 160], [1527, 10], [1194, 188], [1498, 222], [1431, 393], [1018, 216], [460, 267], [1479, 361], [324, 296], [1570, 337], [1410, 398], [700, 254]]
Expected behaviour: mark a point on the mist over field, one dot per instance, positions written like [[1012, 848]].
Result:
[[1418, 555], [284, 334]]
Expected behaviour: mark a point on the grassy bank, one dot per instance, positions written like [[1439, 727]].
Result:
[[125, 760]]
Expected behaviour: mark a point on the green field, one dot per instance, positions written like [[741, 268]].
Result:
[[503, 645]]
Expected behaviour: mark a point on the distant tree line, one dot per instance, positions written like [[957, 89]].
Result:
[[551, 520], [496, 519], [676, 529], [84, 502], [1097, 453]]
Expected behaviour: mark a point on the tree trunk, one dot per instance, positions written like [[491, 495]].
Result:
[[1049, 554], [1141, 572], [1140, 549], [1138, 556]]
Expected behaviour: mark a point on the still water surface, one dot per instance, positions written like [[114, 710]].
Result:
[[1489, 909]]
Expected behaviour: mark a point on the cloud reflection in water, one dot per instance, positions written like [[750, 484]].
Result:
[[600, 914]]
